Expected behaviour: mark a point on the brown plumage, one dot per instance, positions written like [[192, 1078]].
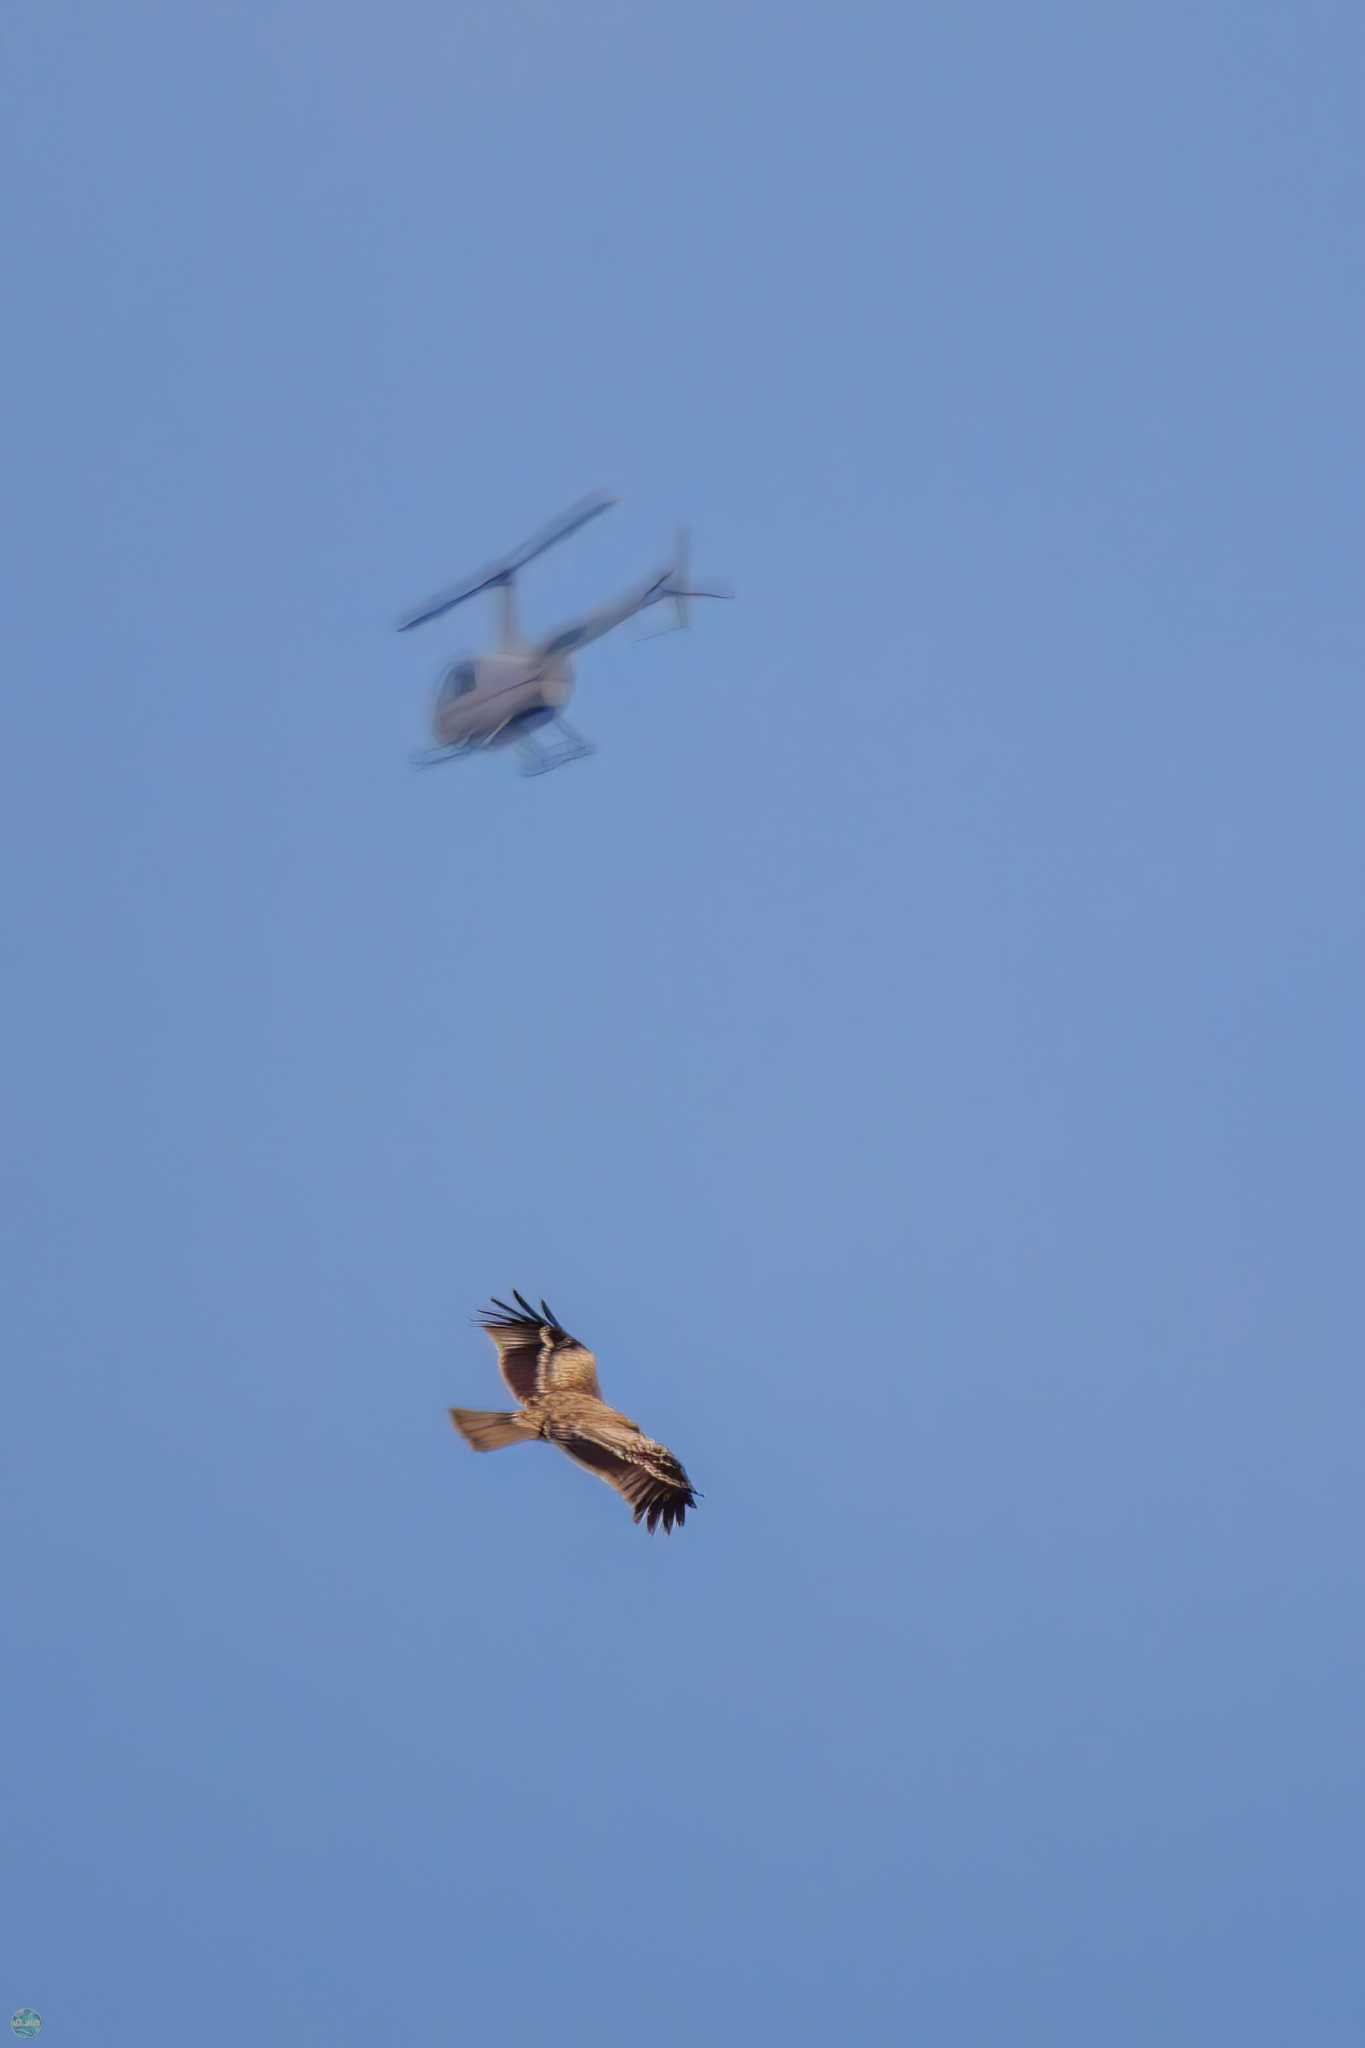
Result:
[[554, 1377]]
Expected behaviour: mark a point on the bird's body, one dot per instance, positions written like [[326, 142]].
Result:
[[554, 1378]]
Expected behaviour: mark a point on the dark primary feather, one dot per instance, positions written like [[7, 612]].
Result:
[[524, 1313], [536, 1354], [648, 1477]]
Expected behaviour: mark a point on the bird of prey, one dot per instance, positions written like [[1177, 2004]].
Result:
[[554, 1377]]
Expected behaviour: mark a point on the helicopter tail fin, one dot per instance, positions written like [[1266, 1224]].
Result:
[[682, 558], [680, 586]]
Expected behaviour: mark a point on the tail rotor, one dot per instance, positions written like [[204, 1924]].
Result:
[[682, 563], [678, 586]]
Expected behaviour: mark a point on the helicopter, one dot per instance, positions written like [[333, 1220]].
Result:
[[508, 697]]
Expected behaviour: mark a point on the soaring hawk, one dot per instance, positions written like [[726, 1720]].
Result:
[[554, 1377]]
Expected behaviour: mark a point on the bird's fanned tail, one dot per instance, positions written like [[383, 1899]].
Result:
[[485, 1429]]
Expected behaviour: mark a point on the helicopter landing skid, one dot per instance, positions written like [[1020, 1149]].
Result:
[[432, 757], [538, 760]]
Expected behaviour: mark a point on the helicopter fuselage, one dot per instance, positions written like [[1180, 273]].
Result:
[[491, 700]]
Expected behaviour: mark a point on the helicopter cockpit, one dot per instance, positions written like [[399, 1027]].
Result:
[[459, 680]]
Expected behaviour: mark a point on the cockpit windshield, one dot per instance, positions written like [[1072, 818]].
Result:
[[460, 679]]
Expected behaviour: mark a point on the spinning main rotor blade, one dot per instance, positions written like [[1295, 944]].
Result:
[[502, 571]]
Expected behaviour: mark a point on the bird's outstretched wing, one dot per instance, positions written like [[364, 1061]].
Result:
[[647, 1476], [536, 1354]]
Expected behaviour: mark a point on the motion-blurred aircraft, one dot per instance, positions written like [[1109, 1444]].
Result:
[[506, 697]]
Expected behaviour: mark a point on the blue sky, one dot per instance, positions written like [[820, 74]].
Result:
[[919, 1051]]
